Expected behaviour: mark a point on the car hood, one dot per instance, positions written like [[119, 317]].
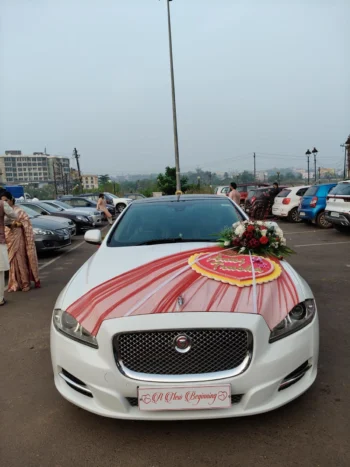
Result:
[[42, 222], [120, 282], [55, 222]]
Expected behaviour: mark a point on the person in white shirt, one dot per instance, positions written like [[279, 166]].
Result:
[[5, 210]]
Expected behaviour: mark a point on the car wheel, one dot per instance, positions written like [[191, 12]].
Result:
[[293, 215], [342, 228], [120, 207], [322, 222]]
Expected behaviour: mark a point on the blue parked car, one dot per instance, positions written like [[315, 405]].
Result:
[[313, 203]]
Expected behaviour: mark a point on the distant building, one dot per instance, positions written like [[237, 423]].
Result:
[[90, 182], [37, 168]]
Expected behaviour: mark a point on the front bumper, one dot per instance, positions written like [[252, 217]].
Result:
[[50, 243], [110, 393], [342, 219]]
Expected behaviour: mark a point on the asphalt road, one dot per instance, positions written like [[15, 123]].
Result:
[[39, 428]]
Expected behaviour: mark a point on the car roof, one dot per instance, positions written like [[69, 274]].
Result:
[[174, 198]]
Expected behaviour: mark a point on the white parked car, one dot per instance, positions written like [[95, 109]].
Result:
[[338, 206], [222, 190], [141, 333], [119, 203], [287, 201]]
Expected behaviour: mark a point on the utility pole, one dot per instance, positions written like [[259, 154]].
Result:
[[254, 156], [314, 152], [308, 154], [176, 139], [77, 156], [347, 153], [54, 179]]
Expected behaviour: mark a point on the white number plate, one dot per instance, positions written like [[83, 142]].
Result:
[[301, 214], [185, 398], [335, 214]]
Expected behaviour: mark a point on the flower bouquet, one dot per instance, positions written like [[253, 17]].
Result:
[[256, 237]]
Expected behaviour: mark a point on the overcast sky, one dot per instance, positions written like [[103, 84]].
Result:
[[251, 75]]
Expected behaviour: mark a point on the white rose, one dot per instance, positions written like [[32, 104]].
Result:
[[239, 231], [283, 241], [279, 232], [227, 243]]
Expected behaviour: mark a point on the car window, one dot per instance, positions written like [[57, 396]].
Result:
[[341, 189], [311, 191], [301, 192], [81, 203], [226, 189], [284, 193], [64, 205], [178, 221]]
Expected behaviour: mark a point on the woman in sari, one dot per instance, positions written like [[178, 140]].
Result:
[[21, 250]]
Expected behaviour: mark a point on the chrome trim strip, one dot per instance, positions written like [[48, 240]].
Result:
[[296, 377], [191, 378], [78, 386]]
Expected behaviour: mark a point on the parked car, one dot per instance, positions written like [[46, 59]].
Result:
[[134, 196], [258, 204], [313, 204], [287, 202], [82, 222], [338, 206], [48, 233], [175, 343], [242, 188], [62, 206], [60, 222], [79, 202], [119, 203]]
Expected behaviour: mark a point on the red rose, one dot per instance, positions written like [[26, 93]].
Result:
[[264, 240], [237, 242], [249, 235], [254, 243], [250, 228]]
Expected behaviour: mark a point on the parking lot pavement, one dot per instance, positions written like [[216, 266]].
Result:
[[40, 429]]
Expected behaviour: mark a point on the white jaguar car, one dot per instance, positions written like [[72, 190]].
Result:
[[161, 323]]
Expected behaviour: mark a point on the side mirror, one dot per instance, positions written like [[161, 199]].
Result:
[[93, 236], [43, 213]]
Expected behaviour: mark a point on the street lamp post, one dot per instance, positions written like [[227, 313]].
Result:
[[176, 140], [308, 154], [347, 148], [314, 152]]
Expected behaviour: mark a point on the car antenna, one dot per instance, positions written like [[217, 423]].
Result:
[[178, 193]]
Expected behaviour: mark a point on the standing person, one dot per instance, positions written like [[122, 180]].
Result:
[[102, 206], [234, 194], [21, 249], [5, 209]]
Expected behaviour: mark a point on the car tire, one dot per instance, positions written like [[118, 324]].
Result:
[[120, 207], [342, 228], [293, 216], [322, 222]]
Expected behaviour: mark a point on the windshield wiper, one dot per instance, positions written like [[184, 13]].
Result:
[[174, 240]]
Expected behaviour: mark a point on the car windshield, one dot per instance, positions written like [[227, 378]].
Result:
[[173, 221], [341, 189], [284, 193], [29, 211], [311, 191]]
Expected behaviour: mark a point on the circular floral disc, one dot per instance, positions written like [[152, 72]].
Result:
[[234, 269]]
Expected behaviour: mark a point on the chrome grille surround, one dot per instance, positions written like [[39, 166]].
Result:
[[216, 353]]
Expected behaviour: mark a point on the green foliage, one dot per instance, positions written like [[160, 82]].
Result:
[[167, 181], [103, 180]]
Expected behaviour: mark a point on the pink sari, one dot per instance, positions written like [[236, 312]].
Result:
[[22, 254]]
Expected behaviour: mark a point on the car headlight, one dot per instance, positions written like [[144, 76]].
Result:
[[301, 315], [38, 231], [68, 325], [82, 218]]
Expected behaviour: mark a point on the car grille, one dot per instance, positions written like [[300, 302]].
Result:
[[62, 232], [146, 355]]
